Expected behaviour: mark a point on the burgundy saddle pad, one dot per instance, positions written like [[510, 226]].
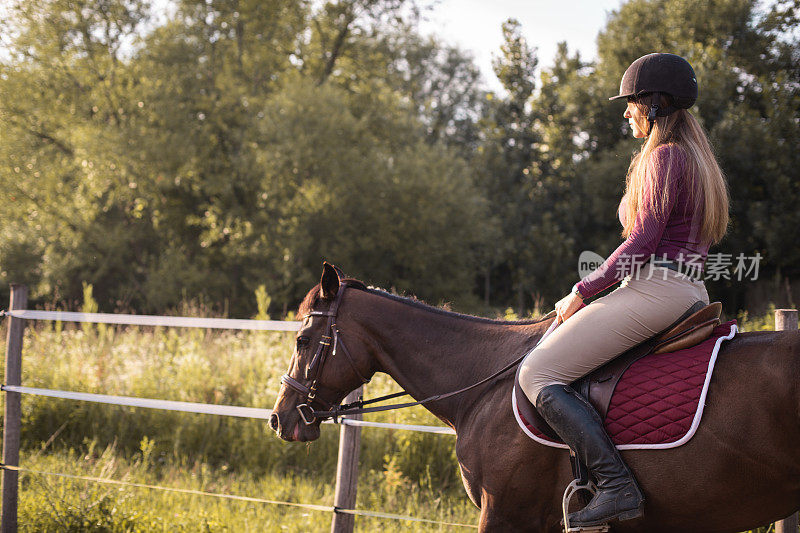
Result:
[[659, 400]]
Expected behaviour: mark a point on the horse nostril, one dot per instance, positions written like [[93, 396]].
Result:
[[274, 421]]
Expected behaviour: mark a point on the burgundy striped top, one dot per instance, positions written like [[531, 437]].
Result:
[[674, 236]]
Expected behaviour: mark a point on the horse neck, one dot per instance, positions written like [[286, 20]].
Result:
[[429, 353]]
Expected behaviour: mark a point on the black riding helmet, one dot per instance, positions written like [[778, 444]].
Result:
[[656, 74]]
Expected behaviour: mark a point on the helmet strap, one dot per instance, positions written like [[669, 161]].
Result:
[[653, 113]]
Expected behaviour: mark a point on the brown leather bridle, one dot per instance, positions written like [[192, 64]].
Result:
[[327, 348]]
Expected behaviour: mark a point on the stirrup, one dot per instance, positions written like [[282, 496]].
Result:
[[572, 490]]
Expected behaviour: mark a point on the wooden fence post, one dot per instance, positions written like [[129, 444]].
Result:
[[786, 319], [13, 414], [347, 471]]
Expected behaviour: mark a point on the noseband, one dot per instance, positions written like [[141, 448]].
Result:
[[328, 347]]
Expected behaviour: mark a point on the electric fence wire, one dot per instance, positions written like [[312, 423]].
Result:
[[309, 506]]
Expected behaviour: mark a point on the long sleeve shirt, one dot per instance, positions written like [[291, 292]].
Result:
[[674, 235]]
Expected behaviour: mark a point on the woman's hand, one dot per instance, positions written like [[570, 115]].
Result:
[[567, 305]]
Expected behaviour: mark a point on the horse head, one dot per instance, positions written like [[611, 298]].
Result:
[[322, 370]]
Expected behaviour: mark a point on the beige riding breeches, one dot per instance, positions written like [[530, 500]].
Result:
[[643, 305]]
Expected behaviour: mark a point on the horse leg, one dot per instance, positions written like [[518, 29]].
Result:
[[497, 517], [492, 522], [519, 483]]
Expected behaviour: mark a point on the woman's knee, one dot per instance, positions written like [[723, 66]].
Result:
[[533, 377]]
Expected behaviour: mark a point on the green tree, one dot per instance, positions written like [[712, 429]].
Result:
[[68, 200], [368, 193], [236, 145], [509, 148]]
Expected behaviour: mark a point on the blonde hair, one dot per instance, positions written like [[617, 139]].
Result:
[[708, 190]]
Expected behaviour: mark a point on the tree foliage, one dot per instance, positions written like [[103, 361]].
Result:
[[235, 144]]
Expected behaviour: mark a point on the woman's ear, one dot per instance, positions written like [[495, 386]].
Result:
[[329, 282]]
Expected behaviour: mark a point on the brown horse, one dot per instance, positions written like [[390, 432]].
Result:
[[740, 470]]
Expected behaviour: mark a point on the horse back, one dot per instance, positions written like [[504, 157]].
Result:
[[745, 449]]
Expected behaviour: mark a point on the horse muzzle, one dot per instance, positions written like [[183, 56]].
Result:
[[291, 426]]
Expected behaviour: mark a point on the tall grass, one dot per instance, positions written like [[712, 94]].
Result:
[[765, 322], [57, 504]]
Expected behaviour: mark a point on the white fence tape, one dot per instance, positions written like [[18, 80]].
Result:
[[203, 408], [188, 407], [409, 427], [153, 320]]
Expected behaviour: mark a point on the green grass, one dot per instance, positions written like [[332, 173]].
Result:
[[57, 504], [765, 322]]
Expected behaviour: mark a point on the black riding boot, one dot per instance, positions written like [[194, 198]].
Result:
[[580, 427]]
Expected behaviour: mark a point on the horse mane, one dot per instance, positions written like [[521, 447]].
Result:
[[313, 297], [419, 304]]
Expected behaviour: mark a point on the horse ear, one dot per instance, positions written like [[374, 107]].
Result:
[[329, 283]]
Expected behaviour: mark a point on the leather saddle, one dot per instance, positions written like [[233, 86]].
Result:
[[693, 327]]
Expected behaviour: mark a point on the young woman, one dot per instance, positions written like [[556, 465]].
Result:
[[674, 208]]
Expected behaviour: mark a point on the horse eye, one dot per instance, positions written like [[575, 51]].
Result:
[[302, 342]]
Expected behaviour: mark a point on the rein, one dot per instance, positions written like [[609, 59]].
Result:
[[328, 344]]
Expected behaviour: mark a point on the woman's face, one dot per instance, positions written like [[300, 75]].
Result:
[[637, 120]]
